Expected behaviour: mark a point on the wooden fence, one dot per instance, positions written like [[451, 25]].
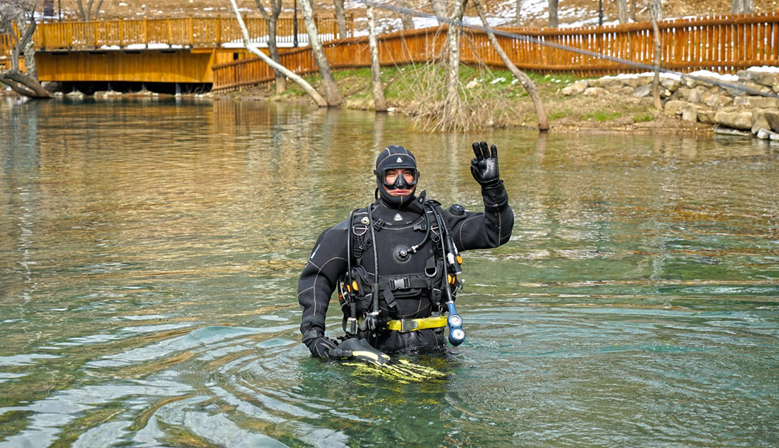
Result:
[[188, 32], [721, 44]]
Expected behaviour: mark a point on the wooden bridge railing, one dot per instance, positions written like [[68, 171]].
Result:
[[5, 45], [721, 44], [204, 32]]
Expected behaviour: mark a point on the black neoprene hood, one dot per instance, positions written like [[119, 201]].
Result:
[[394, 157]]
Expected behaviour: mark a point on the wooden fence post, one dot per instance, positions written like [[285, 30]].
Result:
[[219, 30]]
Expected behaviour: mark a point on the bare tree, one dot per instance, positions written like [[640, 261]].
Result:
[[622, 11], [275, 65], [633, 10], [439, 8], [379, 102], [272, 19], [340, 18], [743, 6], [406, 19], [553, 13], [21, 13], [518, 17], [527, 83], [453, 75], [90, 10], [656, 14], [328, 82]]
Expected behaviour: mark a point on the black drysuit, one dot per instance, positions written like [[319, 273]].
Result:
[[397, 229]]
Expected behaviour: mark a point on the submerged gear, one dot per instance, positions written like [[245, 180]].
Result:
[[392, 158], [396, 265], [374, 362], [360, 350]]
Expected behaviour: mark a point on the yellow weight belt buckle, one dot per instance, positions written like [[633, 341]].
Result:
[[406, 325]]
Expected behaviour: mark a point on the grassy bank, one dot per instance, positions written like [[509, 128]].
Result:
[[490, 98]]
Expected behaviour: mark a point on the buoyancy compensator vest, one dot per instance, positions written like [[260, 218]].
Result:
[[397, 273]]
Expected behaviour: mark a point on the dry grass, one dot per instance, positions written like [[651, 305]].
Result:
[[488, 99]]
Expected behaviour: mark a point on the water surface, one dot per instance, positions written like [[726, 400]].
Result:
[[150, 253]]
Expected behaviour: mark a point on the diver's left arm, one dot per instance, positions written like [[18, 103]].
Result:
[[493, 227]]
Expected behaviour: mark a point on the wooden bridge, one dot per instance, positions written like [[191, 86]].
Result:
[[173, 50], [210, 50]]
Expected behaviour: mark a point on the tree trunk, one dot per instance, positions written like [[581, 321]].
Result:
[[26, 44], [518, 16], [379, 102], [743, 6], [85, 13], [97, 9], [281, 80], [82, 15], [439, 8], [24, 85], [272, 20], [527, 83], [328, 82], [275, 65], [553, 13], [340, 18], [406, 19], [453, 75], [622, 11], [656, 14]]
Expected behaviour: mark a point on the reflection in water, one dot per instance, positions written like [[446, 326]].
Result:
[[151, 249]]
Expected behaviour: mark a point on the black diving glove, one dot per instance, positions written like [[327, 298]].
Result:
[[360, 350], [485, 166], [318, 344]]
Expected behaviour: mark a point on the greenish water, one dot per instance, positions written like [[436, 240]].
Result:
[[149, 257]]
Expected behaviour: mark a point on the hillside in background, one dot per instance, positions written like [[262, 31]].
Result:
[[533, 13]]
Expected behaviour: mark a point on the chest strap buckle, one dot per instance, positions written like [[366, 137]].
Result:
[[399, 283]]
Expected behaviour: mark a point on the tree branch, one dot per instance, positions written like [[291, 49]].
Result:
[[276, 66]]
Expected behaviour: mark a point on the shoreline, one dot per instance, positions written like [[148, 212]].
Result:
[[567, 114], [615, 113]]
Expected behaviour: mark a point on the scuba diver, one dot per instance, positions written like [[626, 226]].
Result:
[[395, 263]]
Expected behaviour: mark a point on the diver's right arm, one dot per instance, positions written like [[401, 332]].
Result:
[[317, 283]]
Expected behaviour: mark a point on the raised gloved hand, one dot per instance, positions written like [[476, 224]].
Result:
[[485, 166], [360, 350], [318, 344]]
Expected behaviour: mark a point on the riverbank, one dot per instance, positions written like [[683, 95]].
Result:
[[495, 99]]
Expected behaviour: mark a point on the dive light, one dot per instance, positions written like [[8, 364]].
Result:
[[455, 324]]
